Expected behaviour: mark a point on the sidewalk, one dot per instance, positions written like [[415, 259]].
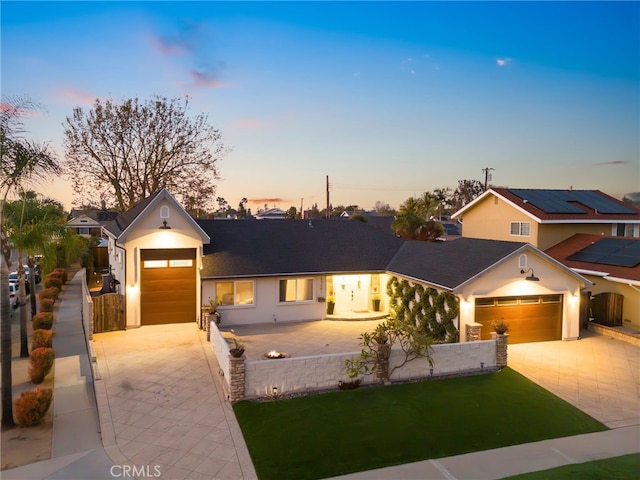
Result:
[[76, 450], [141, 391]]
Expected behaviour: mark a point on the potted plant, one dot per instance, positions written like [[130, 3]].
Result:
[[376, 303], [212, 311], [331, 305], [238, 349], [500, 326]]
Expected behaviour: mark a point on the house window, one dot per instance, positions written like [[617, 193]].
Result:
[[520, 229], [296, 290], [234, 293], [625, 230], [83, 231]]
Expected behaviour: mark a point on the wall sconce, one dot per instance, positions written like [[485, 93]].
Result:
[[275, 392], [532, 277], [164, 226]]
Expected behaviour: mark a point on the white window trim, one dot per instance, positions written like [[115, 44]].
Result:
[[298, 302], [520, 229], [235, 283]]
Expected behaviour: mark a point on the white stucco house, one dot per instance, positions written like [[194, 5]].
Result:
[[170, 265]]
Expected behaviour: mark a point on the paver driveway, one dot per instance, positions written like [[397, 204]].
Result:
[[160, 405], [597, 374]]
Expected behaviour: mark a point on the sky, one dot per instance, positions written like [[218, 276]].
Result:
[[387, 99]]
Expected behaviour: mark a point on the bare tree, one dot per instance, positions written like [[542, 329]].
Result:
[[123, 152]]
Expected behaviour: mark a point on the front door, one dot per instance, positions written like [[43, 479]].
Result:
[[351, 293]]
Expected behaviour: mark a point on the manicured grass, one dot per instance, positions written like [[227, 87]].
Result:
[[622, 468], [349, 431]]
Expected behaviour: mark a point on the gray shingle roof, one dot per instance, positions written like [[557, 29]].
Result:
[[122, 221], [450, 264], [282, 247]]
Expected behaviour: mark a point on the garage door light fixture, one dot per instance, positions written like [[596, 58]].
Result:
[[164, 226], [532, 277]]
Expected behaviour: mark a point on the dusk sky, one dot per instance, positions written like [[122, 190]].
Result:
[[388, 99]]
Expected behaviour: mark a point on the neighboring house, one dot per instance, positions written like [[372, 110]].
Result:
[[546, 217], [169, 265], [85, 225], [271, 214], [88, 222], [613, 265]]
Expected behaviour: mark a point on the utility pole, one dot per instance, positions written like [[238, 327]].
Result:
[[301, 211], [327, 197], [487, 176]]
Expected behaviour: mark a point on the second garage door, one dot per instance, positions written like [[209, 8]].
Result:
[[167, 286], [530, 318]]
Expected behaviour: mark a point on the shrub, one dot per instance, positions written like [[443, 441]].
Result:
[[40, 363], [42, 320], [63, 274], [31, 407], [51, 292], [52, 281], [46, 304], [42, 339]]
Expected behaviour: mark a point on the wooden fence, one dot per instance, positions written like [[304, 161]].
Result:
[[108, 313]]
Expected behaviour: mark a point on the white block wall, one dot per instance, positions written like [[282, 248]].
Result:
[[300, 374], [448, 358]]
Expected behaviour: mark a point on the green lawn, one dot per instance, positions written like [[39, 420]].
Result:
[[616, 468], [349, 431]]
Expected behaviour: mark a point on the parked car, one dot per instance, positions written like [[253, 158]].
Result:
[[13, 295], [13, 278]]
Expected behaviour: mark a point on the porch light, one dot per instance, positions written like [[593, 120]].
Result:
[[532, 277], [164, 226]]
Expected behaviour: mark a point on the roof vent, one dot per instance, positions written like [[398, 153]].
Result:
[[525, 201], [310, 224]]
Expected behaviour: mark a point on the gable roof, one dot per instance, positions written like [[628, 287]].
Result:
[[451, 264], [562, 206], [245, 248], [598, 261], [125, 222]]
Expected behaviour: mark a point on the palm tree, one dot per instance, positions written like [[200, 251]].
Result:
[[21, 161], [415, 219], [31, 224]]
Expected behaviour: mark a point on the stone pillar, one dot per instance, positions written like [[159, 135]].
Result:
[[208, 320], [502, 339], [472, 331], [236, 378], [383, 351]]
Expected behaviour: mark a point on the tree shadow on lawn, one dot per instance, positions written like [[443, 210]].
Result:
[[341, 432]]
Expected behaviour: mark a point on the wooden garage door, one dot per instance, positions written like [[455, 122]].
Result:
[[530, 318], [167, 286]]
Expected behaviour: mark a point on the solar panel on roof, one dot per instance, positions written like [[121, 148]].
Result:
[[622, 252], [568, 201]]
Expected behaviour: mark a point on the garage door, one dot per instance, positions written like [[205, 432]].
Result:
[[167, 286], [531, 318]]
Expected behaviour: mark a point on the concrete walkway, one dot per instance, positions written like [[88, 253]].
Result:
[[162, 409]]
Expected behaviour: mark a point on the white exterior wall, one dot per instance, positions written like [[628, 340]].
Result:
[[266, 303], [506, 280], [147, 235], [325, 371]]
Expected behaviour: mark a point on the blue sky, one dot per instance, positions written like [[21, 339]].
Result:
[[388, 99]]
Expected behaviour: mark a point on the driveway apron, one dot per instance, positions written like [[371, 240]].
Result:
[[162, 409], [597, 374]]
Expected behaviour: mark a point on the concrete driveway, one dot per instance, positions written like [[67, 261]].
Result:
[[161, 405], [597, 374]]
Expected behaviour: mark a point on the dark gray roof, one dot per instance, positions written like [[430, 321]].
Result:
[[282, 247], [450, 264], [122, 221]]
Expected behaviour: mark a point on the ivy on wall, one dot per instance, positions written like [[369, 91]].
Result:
[[426, 307]]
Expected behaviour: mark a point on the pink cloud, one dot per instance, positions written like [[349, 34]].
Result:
[[206, 79], [17, 111], [166, 46], [248, 123], [75, 96]]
